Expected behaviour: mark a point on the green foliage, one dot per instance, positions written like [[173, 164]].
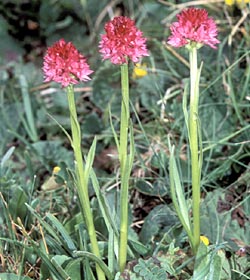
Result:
[[208, 265], [179, 200], [45, 236], [214, 210], [160, 220], [17, 204], [104, 95], [12, 276], [149, 270], [227, 230], [8, 45], [52, 153], [10, 122], [151, 189]]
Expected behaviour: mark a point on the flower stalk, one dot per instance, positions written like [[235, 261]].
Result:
[[82, 179], [123, 42], [194, 145], [124, 166], [193, 30]]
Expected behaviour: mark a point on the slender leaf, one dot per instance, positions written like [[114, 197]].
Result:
[[7, 156], [30, 124], [49, 228], [73, 269], [177, 192], [103, 266], [63, 129], [60, 228], [45, 258], [103, 204], [201, 267], [111, 250], [12, 276], [132, 146], [89, 160], [215, 268], [184, 108], [114, 132]]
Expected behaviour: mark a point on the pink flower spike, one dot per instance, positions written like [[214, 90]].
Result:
[[193, 27], [65, 65], [122, 41]]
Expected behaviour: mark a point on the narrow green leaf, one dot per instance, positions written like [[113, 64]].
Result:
[[132, 147], [178, 196], [139, 247], [200, 145], [177, 190], [245, 87], [57, 263], [201, 266], [6, 216], [60, 228], [114, 132], [89, 160], [103, 266], [103, 204], [55, 245], [21, 138], [241, 274], [46, 226], [30, 125], [63, 129], [16, 204], [88, 274], [225, 139], [232, 94], [6, 156], [50, 265], [184, 108], [105, 210], [12, 276], [73, 269], [117, 276], [40, 253], [215, 268], [111, 250]]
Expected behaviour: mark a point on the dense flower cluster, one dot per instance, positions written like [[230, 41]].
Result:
[[122, 41], [193, 27], [65, 65]]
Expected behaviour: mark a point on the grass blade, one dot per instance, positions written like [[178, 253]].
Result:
[[103, 266], [66, 238]]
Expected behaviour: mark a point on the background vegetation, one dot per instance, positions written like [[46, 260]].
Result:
[[40, 224]]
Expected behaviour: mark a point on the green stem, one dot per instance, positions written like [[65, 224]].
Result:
[[194, 146], [82, 181], [123, 152]]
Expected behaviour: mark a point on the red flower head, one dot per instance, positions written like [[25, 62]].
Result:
[[65, 65], [193, 27], [122, 40]]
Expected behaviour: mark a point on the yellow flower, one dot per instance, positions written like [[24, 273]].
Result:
[[50, 183], [242, 1], [139, 71], [239, 3], [56, 169], [204, 239], [229, 2]]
